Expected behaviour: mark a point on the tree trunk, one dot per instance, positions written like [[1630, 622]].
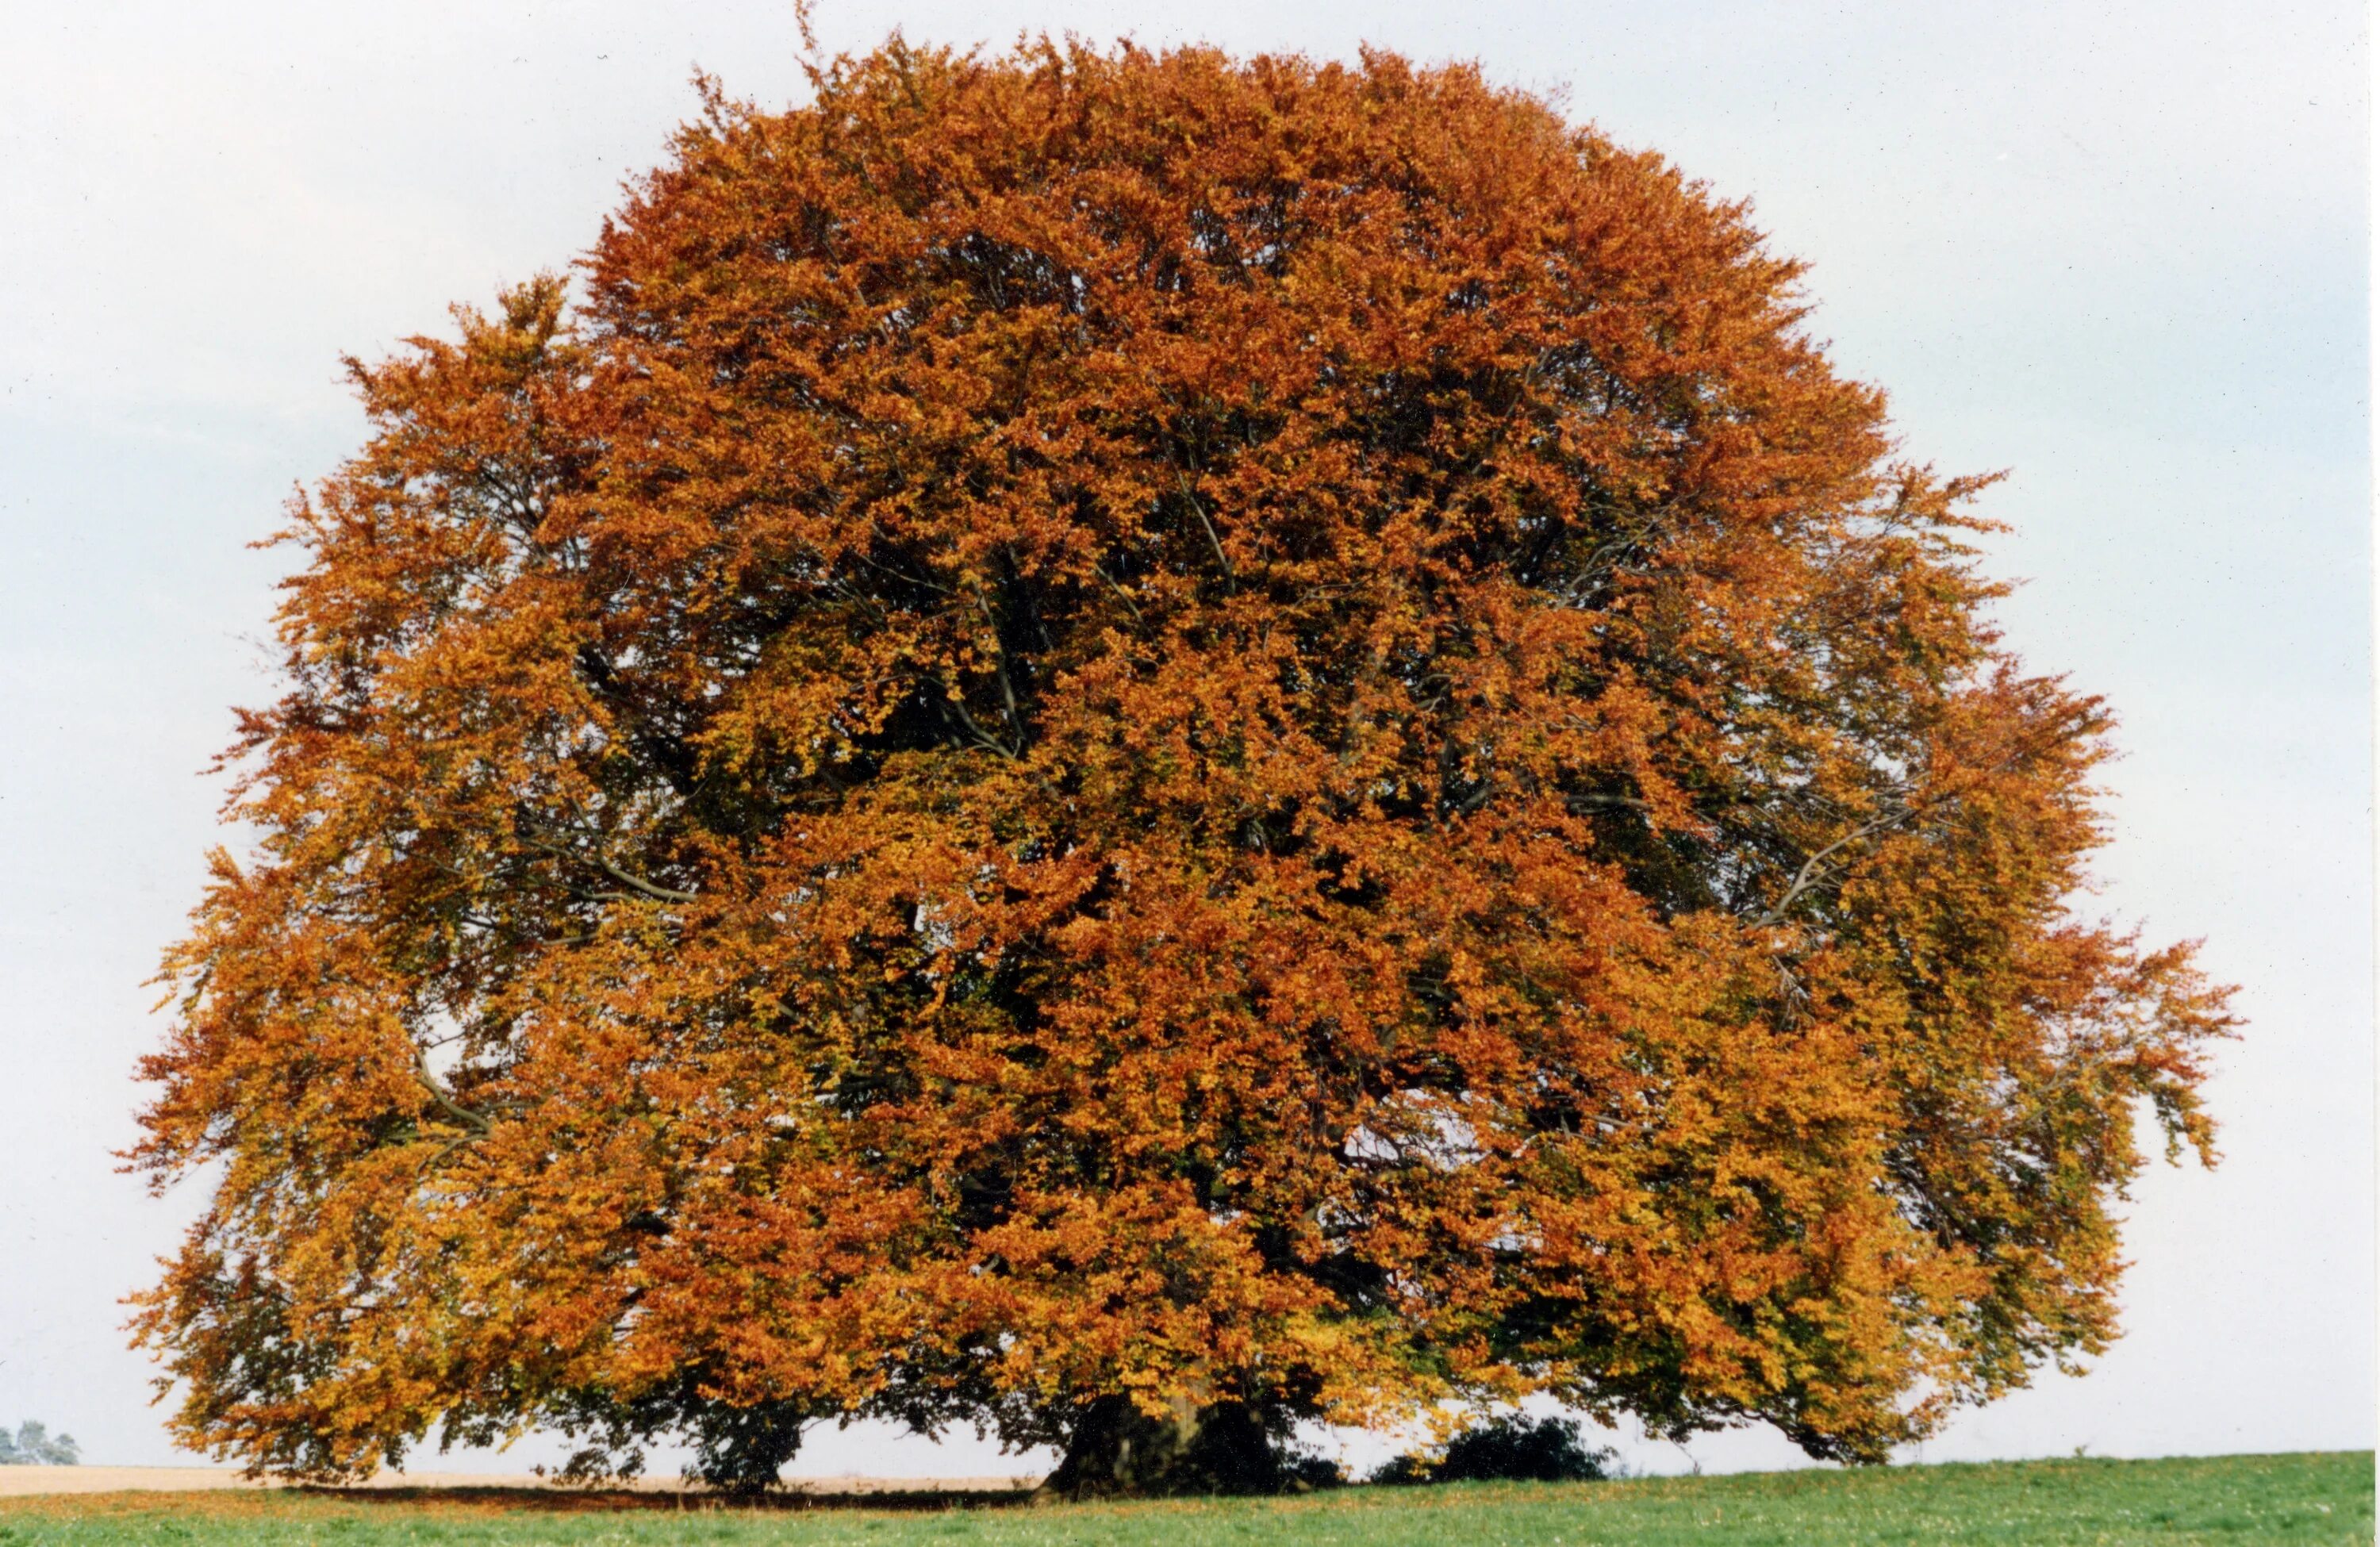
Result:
[[1118, 1449]]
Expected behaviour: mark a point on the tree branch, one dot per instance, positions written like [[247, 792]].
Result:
[[1121, 595], [954, 709], [638, 884], [1813, 868], [478, 1122], [1579, 803], [1231, 576], [634, 882], [1007, 691]]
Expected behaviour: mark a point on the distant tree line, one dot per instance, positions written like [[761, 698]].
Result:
[[34, 1445]]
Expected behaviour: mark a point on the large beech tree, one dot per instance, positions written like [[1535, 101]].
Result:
[[1133, 748]]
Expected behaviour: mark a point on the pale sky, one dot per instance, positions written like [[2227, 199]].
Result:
[[2120, 250]]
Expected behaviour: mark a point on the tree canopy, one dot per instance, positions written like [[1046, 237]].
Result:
[[1099, 738]]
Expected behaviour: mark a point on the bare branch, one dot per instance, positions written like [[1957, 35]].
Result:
[[637, 884], [954, 709], [1629, 802], [1231, 576], [1121, 595], [1815, 868], [478, 1122], [1007, 692]]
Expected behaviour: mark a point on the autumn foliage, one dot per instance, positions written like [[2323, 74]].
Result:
[[1109, 737]]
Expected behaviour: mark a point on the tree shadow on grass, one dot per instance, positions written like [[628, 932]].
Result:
[[686, 1501]]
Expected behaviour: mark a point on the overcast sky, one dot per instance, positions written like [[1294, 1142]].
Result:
[[2120, 251]]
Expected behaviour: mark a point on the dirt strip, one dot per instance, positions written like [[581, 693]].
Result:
[[19, 1481]]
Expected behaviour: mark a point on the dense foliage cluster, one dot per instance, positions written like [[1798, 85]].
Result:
[[1122, 739], [1506, 1448]]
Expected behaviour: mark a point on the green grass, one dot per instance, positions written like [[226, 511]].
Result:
[[2239, 1499]]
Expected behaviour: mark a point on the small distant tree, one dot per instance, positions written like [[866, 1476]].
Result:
[[1137, 749], [34, 1445]]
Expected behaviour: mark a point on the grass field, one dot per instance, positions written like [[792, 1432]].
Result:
[[2312, 1498]]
